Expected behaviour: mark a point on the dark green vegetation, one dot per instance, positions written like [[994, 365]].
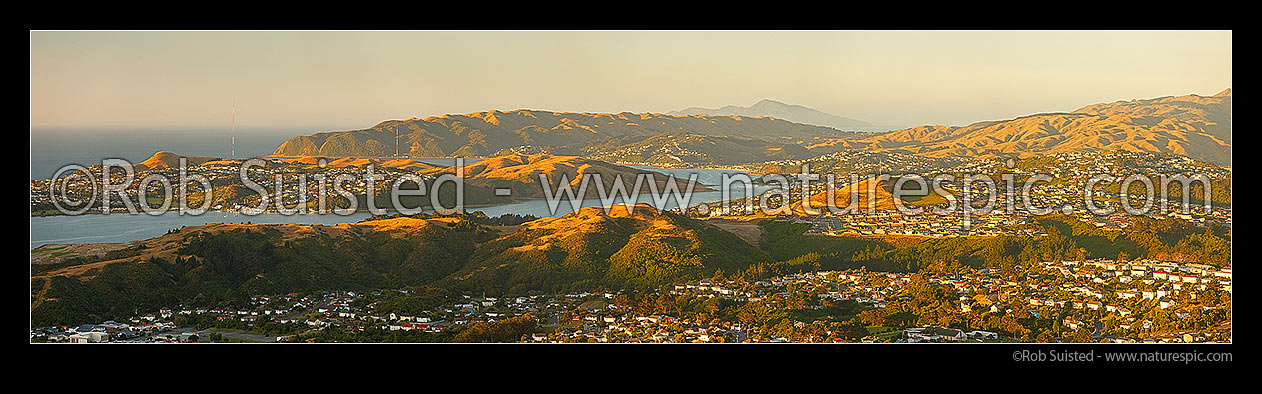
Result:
[[588, 250], [644, 250], [1067, 238], [222, 269], [508, 330], [801, 316], [416, 302], [1171, 240], [80, 260]]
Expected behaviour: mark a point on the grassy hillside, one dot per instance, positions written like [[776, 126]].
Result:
[[220, 265], [1191, 125], [590, 248], [486, 133]]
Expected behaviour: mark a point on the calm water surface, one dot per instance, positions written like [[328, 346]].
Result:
[[122, 227]]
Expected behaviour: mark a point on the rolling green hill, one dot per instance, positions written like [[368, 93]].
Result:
[[222, 264], [590, 248]]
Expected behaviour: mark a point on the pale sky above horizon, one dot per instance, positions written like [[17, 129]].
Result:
[[334, 80]]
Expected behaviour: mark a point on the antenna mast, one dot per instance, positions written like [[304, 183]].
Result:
[[396, 140]]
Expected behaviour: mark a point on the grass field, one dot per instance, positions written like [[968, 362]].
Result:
[[884, 333]]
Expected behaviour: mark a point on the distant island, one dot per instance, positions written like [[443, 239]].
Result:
[[779, 110]]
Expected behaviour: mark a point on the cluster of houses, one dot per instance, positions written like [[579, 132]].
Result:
[[1070, 172], [1124, 288], [926, 224], [109, 331], [338, 309], [1083, 292], [1076, 168], [608, 324], [666, 155], [865, 162]]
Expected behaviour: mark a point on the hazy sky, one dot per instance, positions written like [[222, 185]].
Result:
[[345, 80]]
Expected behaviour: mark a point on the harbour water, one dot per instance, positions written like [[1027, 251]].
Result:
[[123, 227], [53, 148]]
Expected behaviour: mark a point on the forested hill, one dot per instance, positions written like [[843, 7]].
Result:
[[222, 264]]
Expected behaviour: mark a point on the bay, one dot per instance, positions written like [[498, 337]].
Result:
[[122, 227]]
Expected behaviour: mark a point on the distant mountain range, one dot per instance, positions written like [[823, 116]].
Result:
[[779, 110], [1190, 125]]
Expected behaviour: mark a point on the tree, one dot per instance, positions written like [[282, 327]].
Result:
[[849, 331], [1080, 254], [1081, 335], [1044, 337]]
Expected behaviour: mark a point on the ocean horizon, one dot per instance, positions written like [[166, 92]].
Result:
[[55, 147]]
